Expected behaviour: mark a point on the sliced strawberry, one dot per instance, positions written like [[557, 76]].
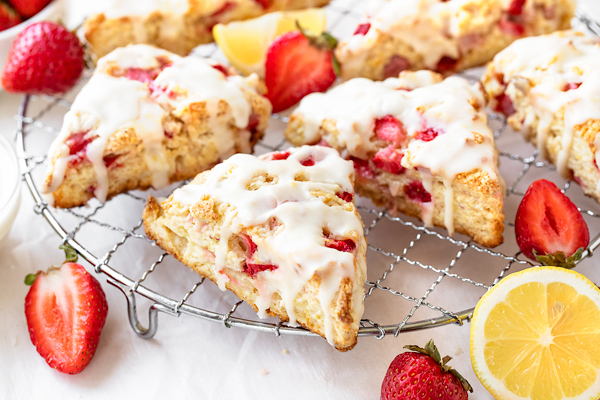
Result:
[[249, 246], [510, 27], [296, 66], [547, 222], [505, 105], [416, 192], [110, 161], [389, 159], [66, 309], [427, 135], [253, 269], [8, 17], [362, 29], [264, 3], [446, 64], [221, 68], [346, 196], [390, 129], [516, 7], [394, 66], [571, 86], [283, 155], [362, 168], [346, 245], [308, 162], [45, 58]]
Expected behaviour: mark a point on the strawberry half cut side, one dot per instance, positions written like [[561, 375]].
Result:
[[66, 310], [548, 225], [298, 64]]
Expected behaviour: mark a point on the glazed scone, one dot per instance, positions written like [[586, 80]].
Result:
[[443, 36], [549, 87], [280, 231], [420, 146], [175, 25], [148, 117]]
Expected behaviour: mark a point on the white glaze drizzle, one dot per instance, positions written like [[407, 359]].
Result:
[[298, 250], [548, 63], [107, 104], [446, 106], [431, 27]]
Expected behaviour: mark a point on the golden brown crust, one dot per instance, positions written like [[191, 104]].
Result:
[[309, 314], [178, 34], [189, 150], [480, 39]]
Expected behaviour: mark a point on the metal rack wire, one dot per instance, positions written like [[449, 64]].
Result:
[[397, 245]]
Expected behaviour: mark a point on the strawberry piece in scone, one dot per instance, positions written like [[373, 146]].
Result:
[[419, 145], [148, 117], [280, 231]]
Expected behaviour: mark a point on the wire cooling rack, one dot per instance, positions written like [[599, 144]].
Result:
[[414, 271]]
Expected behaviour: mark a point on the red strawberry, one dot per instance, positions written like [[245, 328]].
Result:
[[346, 245], [390, 160], [298, 64], [66, 310], [8, 17], [390, 129], [28, 8], [549, 227], [423, 374], [253, 269], [45, 58]]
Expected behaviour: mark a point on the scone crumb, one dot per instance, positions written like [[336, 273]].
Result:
[[264, 372], [285, 351]]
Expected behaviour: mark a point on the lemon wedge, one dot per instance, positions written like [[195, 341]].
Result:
[[536, 335], [245, 43]]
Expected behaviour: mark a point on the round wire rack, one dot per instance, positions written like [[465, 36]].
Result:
[[413, 270]]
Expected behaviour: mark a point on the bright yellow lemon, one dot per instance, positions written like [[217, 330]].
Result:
[[245, 43], [536, 335]]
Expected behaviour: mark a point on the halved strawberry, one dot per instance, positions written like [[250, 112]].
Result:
[[66, 309], [549, 227], [28, 8], [298, 64]]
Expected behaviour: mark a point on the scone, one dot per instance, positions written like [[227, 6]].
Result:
[[280, 231], [420, 146], [549, 88], [148, 117], [175, 25], [443, 36]]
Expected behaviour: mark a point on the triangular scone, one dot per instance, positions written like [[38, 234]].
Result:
[[175, 25], [549, 88], [442, 35], [148, 117], [280, 231], [420, 145]]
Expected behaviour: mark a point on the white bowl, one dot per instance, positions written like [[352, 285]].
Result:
[[52, 12], [10, 186]]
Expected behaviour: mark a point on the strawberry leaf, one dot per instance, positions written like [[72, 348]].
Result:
[[30, 278], [70, 253], [559, 259]]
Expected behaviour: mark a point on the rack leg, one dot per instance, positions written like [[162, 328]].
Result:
[[145, 333]]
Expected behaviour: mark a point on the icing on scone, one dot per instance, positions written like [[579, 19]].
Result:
[[554, 72], [312, 237], [444, 128], [134, 87]]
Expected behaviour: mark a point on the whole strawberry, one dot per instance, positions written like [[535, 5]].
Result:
[[45, 58], [8, 17], [423, 374], [28, 8], [549, 227], [66, 309]]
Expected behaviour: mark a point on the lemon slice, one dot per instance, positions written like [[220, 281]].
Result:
[[245, 43], [536, 335]]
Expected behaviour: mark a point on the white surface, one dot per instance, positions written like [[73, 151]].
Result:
[[188, 358], [10, 187]]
